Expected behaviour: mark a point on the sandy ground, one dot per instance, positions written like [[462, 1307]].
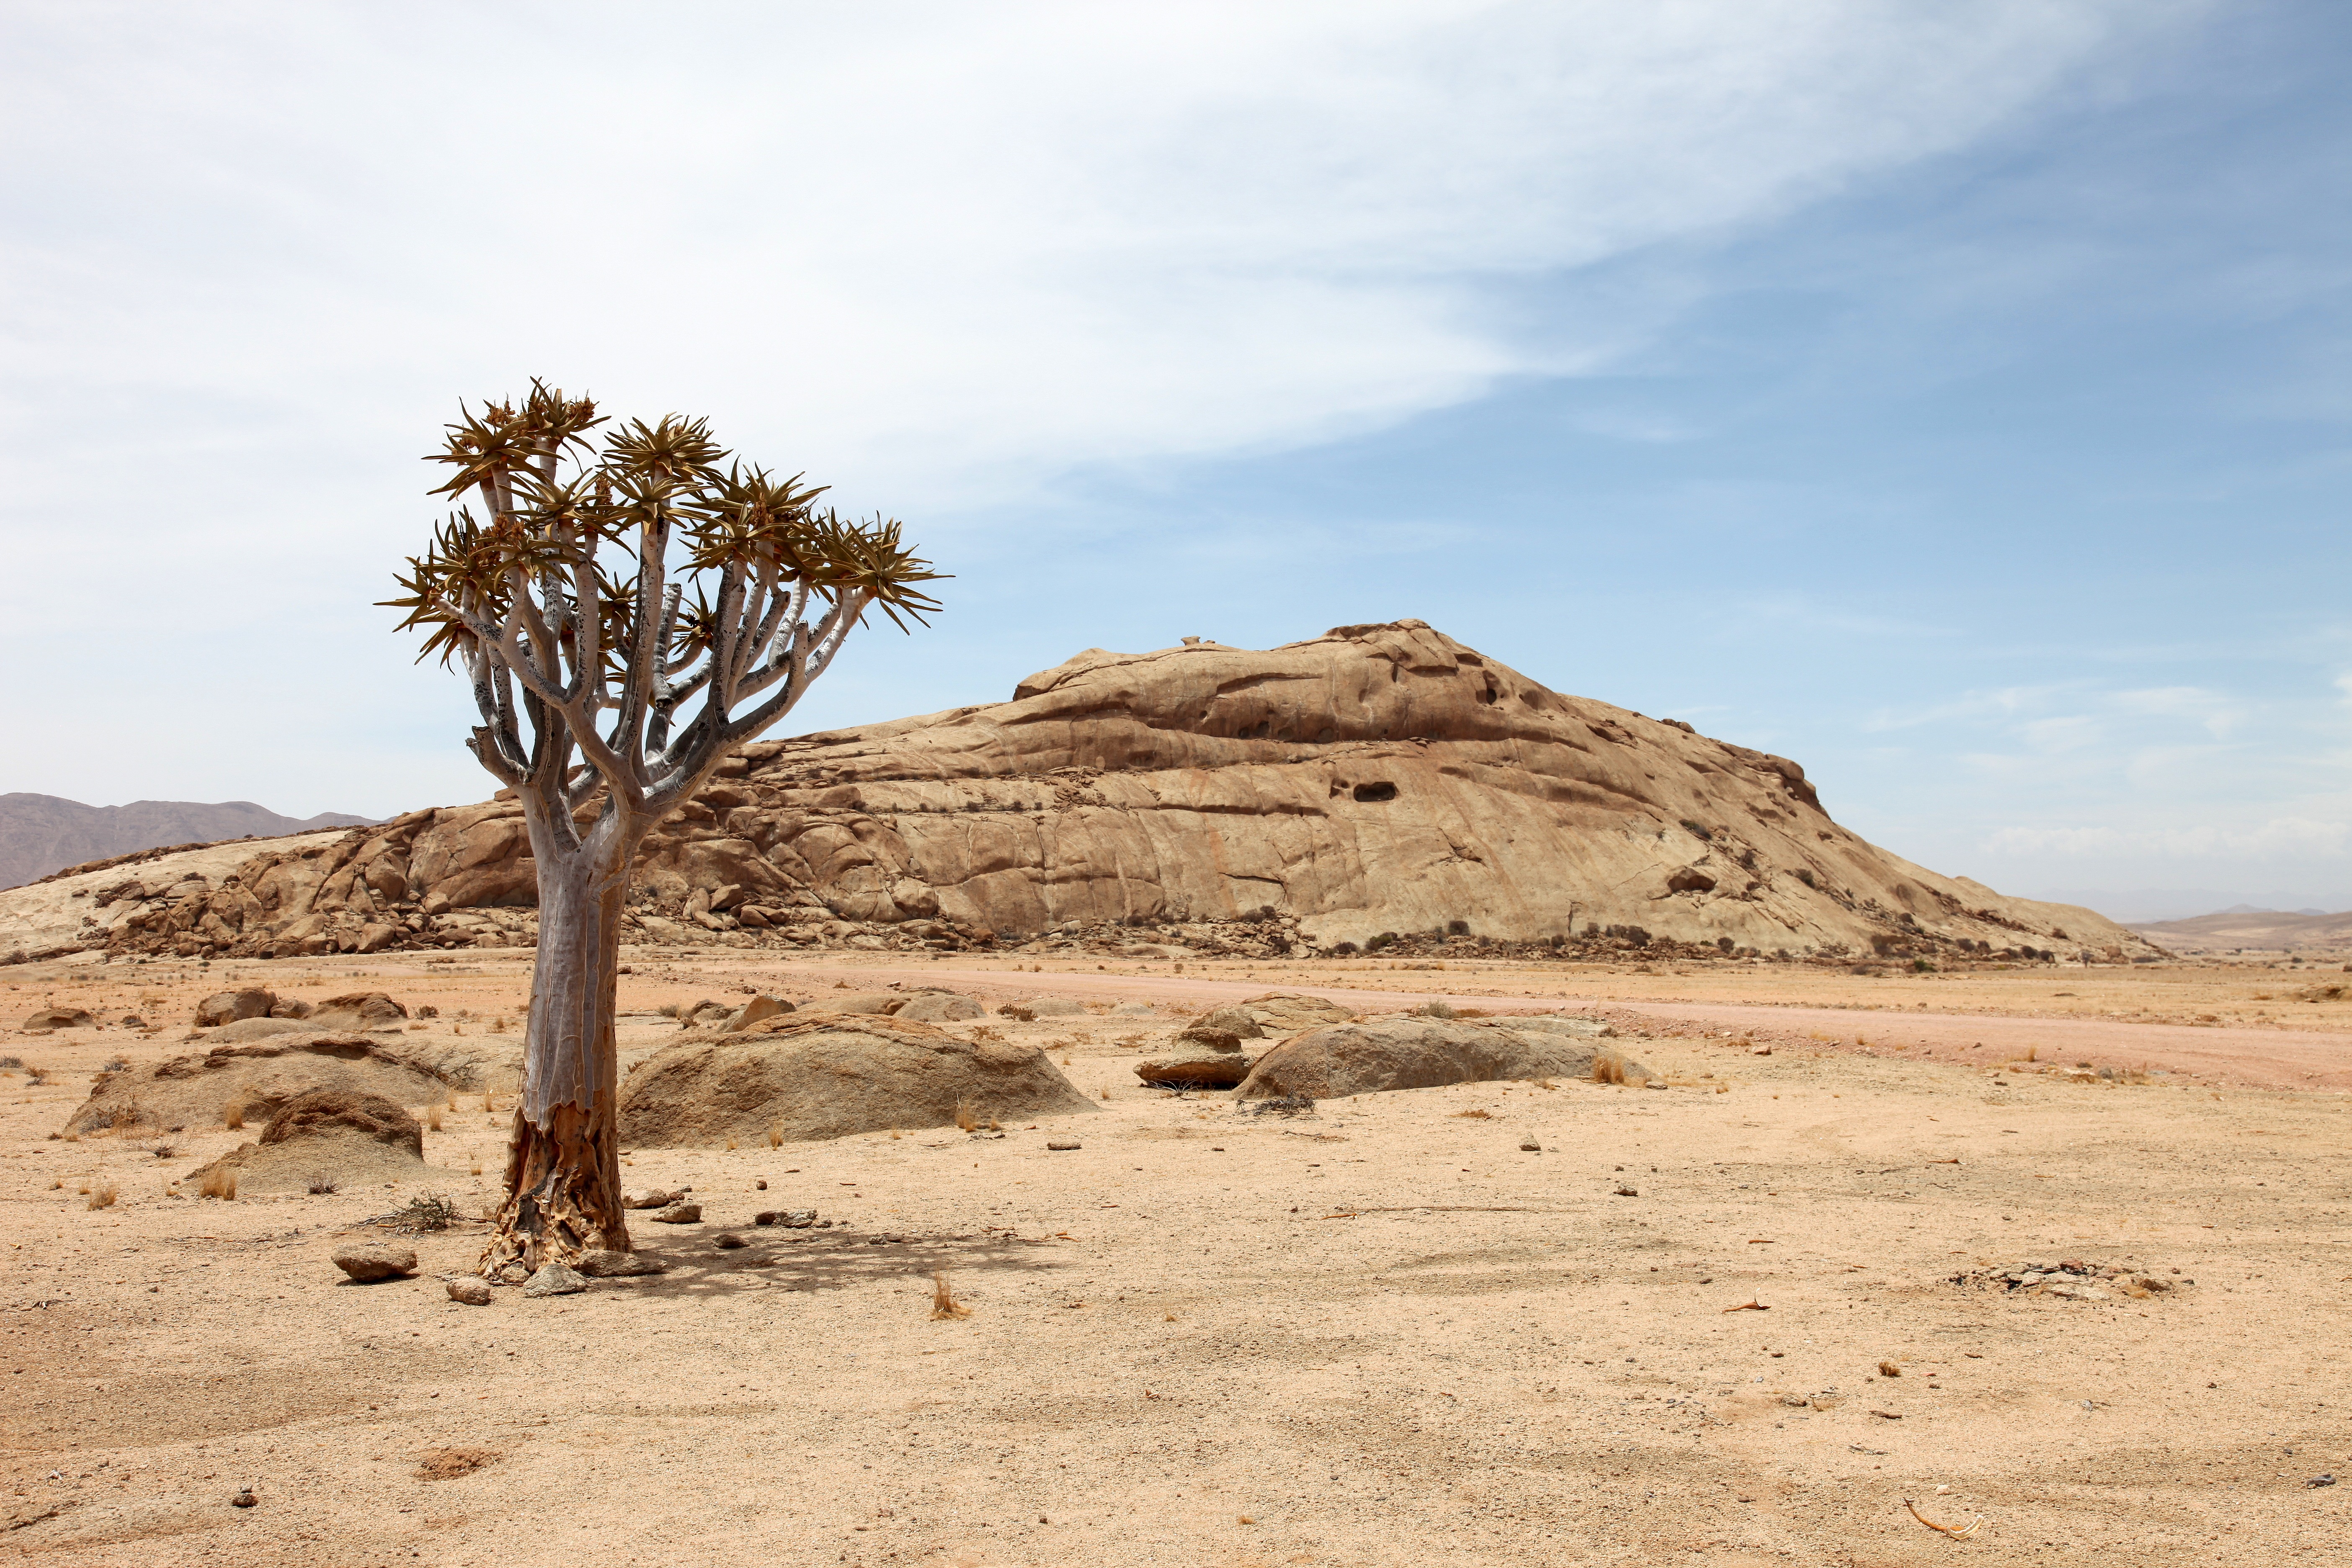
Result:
[[1382, 1334]]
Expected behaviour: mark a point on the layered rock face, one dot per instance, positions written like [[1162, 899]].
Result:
[[1376, 782]]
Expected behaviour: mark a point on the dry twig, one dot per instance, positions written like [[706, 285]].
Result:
[[1957, 1531]]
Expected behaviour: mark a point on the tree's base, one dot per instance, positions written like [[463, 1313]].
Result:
[[563, 1193]]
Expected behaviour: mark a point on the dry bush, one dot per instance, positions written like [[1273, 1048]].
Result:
[[993, 1126], [490, 1102], [477, 1168], [1888, 1369], [235, 1115], [37, 1077], [1608, 1069], [775, 1137], [1481, 1113], [498, 1024], [894, 1135], [965, 1120], [944, 1306], [730, 1138], [321, 1185], [432, 1118], [103, 1198], [667, 1009], [218, 1184]]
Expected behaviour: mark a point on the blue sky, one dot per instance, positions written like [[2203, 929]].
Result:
[[1954, 399]]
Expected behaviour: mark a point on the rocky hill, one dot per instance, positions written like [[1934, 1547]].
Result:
[[1378, 786], [43, 833]]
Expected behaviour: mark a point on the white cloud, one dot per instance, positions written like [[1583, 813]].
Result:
[[945, 244], [938, 254]]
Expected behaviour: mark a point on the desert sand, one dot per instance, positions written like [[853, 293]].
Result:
[[1382, 1332]]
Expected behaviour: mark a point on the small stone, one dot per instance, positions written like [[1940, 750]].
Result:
[[679, 1214], [2327, 1480], [244, 1499], [791, 1220], [554, 1279], [1629, 1193], [1760, 1050], [1060, 1144], [1530, 1148], [729, 1240], [600, 1264], [367, 1262], [512, 1274], [1657, 1083], [1794, 1401], [760, 1185], [654, 1199], [470, 1288]]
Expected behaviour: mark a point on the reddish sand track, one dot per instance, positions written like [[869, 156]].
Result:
[[2252, 1058]]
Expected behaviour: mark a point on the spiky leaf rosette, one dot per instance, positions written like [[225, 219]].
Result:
[[643, 606]]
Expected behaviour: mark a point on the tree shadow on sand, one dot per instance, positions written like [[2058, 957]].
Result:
[[830, 1260]]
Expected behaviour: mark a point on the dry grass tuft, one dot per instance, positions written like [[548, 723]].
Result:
[[993, 1126], [1888, 1369], [944, 1306], [433, 1119], [1105, 1094], [1609, 1068], [235, 1115], [965, 1120], [730, 1138], [775, 1137], [1482, 1115], [894, 1135], [477, 1168], [103, 1198], [218, 1184], [498, 1024]]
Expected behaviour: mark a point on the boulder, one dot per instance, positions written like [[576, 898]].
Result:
[[327, 1135], [1221, 1029], [1558, 1024], [359, 1010], [678, 1213], [554, 1279], [1220, 1070], [1135, 1010], [367, 1262], [940, 1008], [1289, 1012], [246, 1030], [1055, 1008], [1411, 1051], [757, 1008], [228, 1006], [325, 1113], [470, 1288], [58, 1019], [857, 1002], [603, 1265], [290, 1007], [814, 1075], [261, 1075]]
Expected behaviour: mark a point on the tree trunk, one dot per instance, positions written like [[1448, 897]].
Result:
[[563, 1169]]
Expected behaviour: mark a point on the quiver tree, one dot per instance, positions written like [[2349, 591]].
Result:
[[629, 615]]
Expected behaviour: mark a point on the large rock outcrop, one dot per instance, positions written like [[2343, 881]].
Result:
[[1374, 782]]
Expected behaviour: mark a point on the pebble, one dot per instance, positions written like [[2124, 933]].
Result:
[[1530, 1148], [791, 1220], [471, 1288], [372, 1260], [1061, 1144], [554, 1279], [729, 1240], [244, 1499], [679, 1214]]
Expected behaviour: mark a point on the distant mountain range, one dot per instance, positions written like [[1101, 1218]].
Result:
[[43, 833], [2247, 927]]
